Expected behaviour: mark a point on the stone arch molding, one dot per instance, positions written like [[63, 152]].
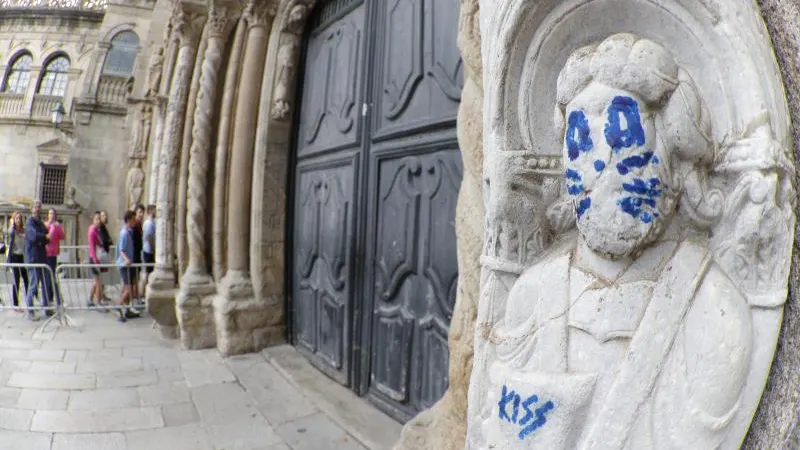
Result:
[[738, 196]]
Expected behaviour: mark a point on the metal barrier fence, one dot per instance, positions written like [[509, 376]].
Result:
[[69, 288], [78, 254]]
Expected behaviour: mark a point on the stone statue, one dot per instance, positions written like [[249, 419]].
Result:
[[632, 332], [134, 185], [140, 134], [154, 73], [284, 88]]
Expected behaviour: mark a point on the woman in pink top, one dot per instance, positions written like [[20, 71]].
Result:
[[94, 243], [55, 232]]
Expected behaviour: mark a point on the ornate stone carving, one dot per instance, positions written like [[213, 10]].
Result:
[[140, 133], [296, 16], [154, 72], [259, 13], [220, 22], [134, 183], [187, 22], [220, 19], [286, 78], [633, 286]]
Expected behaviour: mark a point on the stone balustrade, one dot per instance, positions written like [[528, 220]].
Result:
[[112, 90], [43, 106], [11, 105]]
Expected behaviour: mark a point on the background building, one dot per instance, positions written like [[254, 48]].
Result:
[[87, 60]]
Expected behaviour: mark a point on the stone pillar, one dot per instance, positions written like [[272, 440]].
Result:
[[195, 300], [188, 20], [181, 248], [159, 112], [240, 317], [221, 160]]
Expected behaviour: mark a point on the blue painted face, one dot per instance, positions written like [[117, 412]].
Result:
[[621, 156]]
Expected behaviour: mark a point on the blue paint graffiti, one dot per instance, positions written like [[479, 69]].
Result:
[[573, 175], [635, 162], [577, 137], [633, 135], [532, 420], [583, 206], [645, 195], [599, 166]]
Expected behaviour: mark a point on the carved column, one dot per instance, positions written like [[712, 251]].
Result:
[[188, 21], [223, 144], [236, 309], [195, 300], [160, 99], [181, 249]]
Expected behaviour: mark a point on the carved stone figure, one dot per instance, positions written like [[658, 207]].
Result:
[[135, 185], [635, 331], [140, 134], [154, 72], [287, 73]]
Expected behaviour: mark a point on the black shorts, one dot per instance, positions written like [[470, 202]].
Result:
[[97, 272], [150, 259], [127, 275]]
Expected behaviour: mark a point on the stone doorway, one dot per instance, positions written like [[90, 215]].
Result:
[[375, 177]]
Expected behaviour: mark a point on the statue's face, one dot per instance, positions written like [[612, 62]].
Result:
[[612, 173]]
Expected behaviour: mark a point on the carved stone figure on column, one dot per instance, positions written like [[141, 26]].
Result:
[[140, 135], [287, 73], [629, 334], [154, 73], [135, 184]]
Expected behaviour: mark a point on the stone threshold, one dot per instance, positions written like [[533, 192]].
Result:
[[357, 416]]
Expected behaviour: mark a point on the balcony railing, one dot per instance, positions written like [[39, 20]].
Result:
[[91, 5], [112, 90], [11, 105], [43, 106]]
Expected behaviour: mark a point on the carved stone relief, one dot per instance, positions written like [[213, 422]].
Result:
[[134, 184], [287, 76], [638, 241], [154, 72]]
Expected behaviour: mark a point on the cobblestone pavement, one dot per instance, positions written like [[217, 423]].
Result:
[[116, 386]]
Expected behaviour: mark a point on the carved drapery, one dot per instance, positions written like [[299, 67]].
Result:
[[288, 59], [188, 24], [221, 18]]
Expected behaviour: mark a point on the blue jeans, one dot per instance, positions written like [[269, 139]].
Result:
[[39, 275]]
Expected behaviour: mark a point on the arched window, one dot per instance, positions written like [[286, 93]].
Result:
[[54, 80], [122, 55], [19, 76]]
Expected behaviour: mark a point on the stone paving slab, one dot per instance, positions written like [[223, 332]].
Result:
[[115, 386]]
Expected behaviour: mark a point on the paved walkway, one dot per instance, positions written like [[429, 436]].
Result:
[[119, 386]]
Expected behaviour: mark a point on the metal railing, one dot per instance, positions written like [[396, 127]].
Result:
[[68, 289]]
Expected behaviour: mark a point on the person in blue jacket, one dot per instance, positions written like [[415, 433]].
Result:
[[36, 239]]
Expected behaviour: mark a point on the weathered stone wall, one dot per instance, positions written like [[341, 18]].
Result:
[[779, 411], [443, 427]]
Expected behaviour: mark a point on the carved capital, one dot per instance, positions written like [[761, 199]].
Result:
[[221, 18], [259, 13], [187, 21]]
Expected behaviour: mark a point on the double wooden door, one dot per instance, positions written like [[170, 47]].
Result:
[[376, 176]]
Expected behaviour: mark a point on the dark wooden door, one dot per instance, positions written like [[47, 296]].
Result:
[[376, 181]]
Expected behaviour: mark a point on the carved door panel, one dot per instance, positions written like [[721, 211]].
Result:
[[415, 175], [376, 179], [327, 169]]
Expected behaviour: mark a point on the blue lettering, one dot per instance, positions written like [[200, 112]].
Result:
[[505, 398], [633, 135], [578, 135], [645, 194], [541, 419], [635, 162]]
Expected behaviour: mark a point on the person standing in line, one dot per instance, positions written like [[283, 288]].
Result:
[[138, 245], [16, 255], [95, 249], [149, 237], [56, 235], [105, 240], [36, 240], [125, 250]]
